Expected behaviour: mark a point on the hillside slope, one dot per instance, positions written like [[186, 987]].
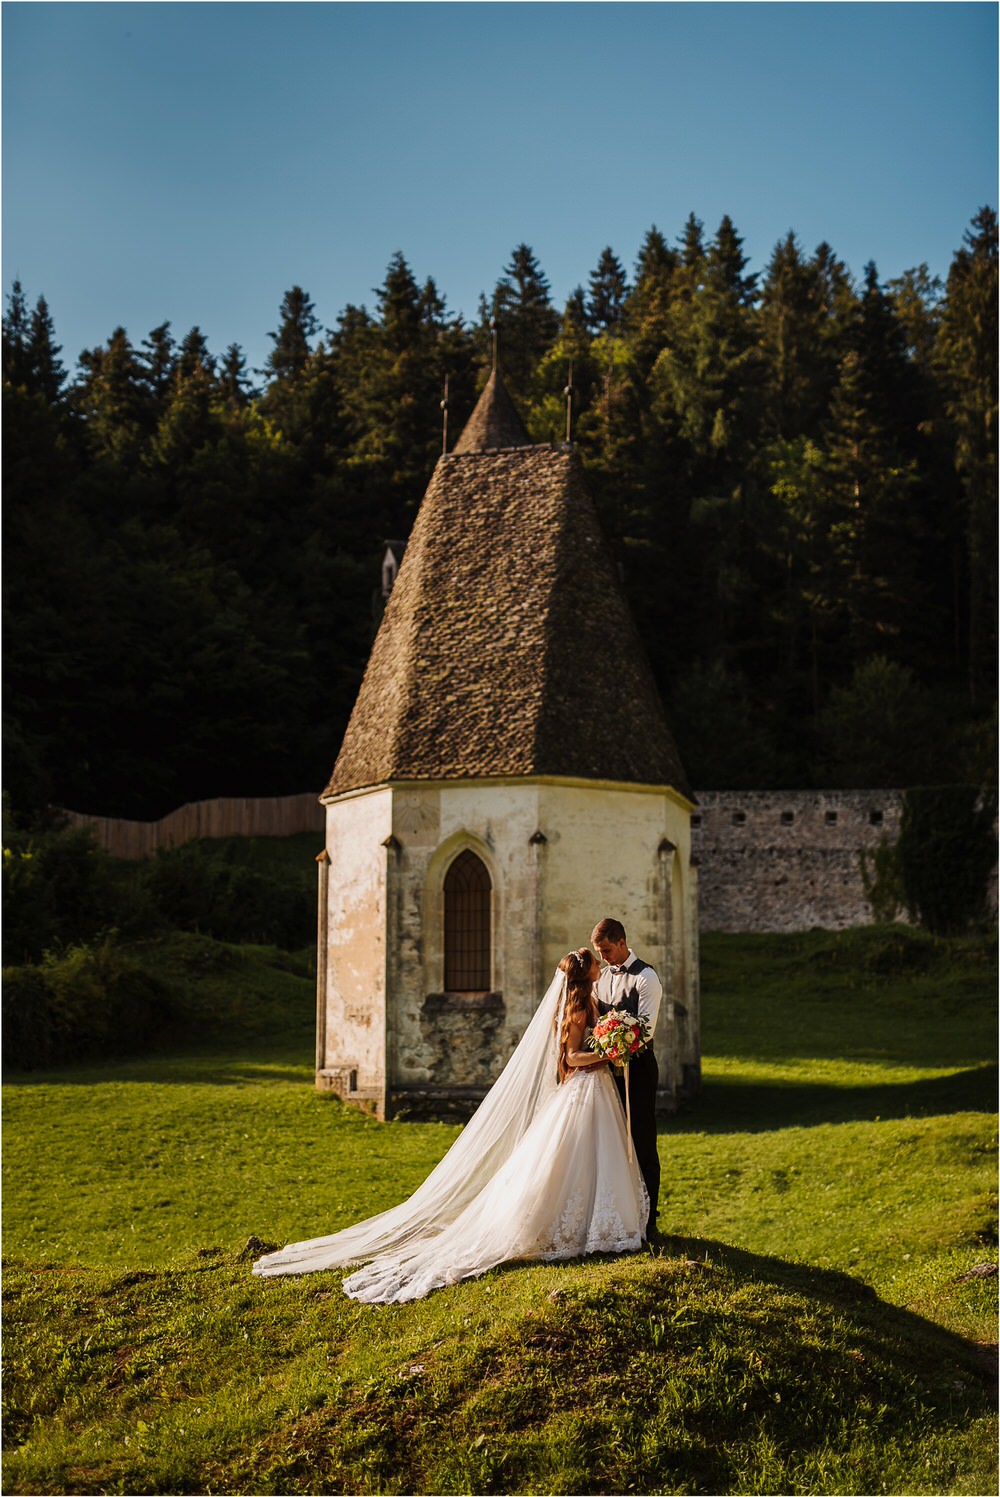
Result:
[[696, 1368]]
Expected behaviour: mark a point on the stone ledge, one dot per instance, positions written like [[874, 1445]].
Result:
[[460, 1003], [454, 1102]]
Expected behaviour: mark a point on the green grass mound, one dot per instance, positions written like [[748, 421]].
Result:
[[695, 1368]]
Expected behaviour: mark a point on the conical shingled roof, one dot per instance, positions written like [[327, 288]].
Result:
[[507, 647], [495, 421]]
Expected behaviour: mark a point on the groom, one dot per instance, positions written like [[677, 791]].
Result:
[[628, 982]]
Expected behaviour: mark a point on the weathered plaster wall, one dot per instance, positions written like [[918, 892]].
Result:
[[788, 860], [626, 853], [357, 936]]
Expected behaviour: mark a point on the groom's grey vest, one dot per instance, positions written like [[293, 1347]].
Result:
[[629, 999]]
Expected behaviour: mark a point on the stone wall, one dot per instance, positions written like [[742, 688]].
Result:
[[771, 860]]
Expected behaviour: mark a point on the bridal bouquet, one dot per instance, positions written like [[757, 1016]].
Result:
[[619, 1037]]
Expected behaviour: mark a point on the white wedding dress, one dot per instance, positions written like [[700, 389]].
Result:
[[541, 1171]]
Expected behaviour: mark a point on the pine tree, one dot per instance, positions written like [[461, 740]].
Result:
[[400, 308], [299, 324], [160, 358], [647, 310], [725, 263], [693, 242], [792, 318], [189, 423], [606, 302], [194, 355], [353, 345], [656, 261], [282, 402], [30, 351], [872, 485], [840, 301], [966, 356], [892, 388], [527, 323], [234, 381], [917, 301], [112, 396], [916, 297], [704, 417], [574, 318], [16, 333], [708, 374], [390, 373], [46, 374]]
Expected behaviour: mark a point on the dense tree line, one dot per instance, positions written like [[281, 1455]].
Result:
[[798, 473]]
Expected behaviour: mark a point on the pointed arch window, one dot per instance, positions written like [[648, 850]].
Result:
[[468, 924]]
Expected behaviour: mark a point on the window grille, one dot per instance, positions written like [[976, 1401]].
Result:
[[467, 926]]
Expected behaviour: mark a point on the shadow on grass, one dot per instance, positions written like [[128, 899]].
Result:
[[877, 1322], [880, 1321], [734, 1106], [280, 1059], [811, 1364]]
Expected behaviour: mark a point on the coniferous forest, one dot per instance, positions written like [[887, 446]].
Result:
[[796, 470]]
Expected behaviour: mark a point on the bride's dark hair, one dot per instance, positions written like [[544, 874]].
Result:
[[581, 1004]]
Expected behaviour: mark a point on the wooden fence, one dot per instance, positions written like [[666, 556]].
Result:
[[236, 816]]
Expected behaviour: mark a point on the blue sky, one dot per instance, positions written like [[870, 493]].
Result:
[[191, 161]]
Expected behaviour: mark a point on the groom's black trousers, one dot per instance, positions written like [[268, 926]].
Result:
[[643, 1075]]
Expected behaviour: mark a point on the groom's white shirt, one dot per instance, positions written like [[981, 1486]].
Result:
[[612, 984]]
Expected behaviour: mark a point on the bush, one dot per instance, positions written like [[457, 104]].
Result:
[[59, 887], [73, 988], [86, 1001], [883, 882], [210, 889], [31, 1033], [946, 853]]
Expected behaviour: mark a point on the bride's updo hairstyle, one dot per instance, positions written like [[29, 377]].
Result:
[[581, 1005]]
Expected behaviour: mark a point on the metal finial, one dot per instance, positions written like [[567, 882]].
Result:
[[493, 330], [568, 392], [444, 411]]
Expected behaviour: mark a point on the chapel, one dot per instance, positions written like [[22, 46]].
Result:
[[506, 780]]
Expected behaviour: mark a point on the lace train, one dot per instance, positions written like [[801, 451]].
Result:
[[540, 1171], [566, 1190]]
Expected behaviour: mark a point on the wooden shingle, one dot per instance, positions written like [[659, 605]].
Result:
[[494, 423], [507, 647]]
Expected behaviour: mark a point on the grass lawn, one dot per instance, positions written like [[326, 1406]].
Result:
[[806, 1326]]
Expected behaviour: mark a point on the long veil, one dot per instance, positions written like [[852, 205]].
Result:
[[489, 1138]]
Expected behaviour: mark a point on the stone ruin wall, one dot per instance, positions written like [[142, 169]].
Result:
[[787, 860]]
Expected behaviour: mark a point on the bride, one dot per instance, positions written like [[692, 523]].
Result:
[[542, 1170]]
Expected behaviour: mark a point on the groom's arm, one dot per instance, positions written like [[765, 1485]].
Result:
[[649, 991]]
